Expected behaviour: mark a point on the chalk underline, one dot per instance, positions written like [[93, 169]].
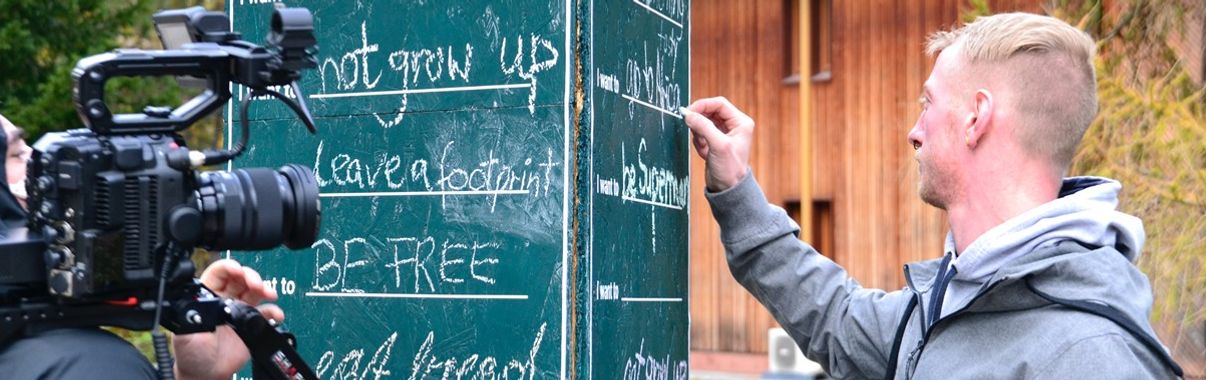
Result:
[[659, 109], [650, 299], [419, 296], [653, 203], [646, 6], [421, 91], [422, 193]]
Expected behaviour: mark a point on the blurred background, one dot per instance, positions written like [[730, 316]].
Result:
[[833, 86]]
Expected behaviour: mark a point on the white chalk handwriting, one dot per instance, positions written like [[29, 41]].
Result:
[[429, 363], [418, 263], [488, 173], [652, 80], [442, 67], [647, 367], [647, 182]]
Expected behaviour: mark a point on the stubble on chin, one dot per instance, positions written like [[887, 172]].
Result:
[[930, 188], [930, 197]]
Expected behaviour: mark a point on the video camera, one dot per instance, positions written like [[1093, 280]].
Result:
[[116, 209]]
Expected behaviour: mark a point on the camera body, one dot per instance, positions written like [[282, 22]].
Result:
[[110, 205], [117, 208], [113, 201], [102, 203]]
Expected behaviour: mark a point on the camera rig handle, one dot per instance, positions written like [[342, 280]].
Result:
[[273, 350], [217, 55], [91, 73]]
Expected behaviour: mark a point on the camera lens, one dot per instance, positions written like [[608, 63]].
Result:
[[258, 208]]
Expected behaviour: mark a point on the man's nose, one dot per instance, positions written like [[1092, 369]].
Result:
[[914, 138]]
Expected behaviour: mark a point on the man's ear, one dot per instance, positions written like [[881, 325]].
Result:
[[979, 120]]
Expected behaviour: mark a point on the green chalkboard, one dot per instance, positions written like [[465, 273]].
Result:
[[638, 77], [463, 157]]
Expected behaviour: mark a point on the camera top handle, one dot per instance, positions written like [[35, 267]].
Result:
[[91, 74], [200, 44]]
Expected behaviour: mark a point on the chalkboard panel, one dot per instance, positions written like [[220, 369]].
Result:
[[459, 226], [639, 189]]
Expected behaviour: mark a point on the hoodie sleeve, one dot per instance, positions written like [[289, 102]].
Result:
[[834, 320]]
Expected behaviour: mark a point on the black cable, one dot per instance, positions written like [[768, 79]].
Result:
[[245, 134], [299, 108], [163, 356], [218, 157]]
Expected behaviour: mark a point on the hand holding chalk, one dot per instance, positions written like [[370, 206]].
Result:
[[722, 135]]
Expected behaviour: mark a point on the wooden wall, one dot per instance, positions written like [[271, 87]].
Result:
[[738, 51], [863, 174]]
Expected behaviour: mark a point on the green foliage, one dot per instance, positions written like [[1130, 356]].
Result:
[[139, 339], [978, 8], [1150, 134], [41, 41]]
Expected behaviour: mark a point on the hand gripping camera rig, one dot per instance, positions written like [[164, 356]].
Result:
[[116, 210]]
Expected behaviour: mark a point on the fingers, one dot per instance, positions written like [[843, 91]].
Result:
[[701, 146], [254, 289], [701, 127], [220, 354], [722, 137], [723, 112], [215, 355], [229, 279], [219, 274], [271, 311]]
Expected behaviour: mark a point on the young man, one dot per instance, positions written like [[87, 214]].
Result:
[[1037, 280], [91, 353]]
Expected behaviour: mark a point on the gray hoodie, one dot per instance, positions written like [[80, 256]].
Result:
[[1026, 301], [1086, 215]]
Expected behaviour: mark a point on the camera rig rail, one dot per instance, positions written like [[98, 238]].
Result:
[[192, 308]]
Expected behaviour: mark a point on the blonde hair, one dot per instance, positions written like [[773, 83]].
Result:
[[1046, 62]]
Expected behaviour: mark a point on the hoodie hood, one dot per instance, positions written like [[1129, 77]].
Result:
[[1085, 213], [11, 213]]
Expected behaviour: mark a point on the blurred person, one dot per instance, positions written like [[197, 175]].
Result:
[[1037, 279], [14, 160]]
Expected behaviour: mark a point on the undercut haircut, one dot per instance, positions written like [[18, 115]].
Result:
[[1046, 62]]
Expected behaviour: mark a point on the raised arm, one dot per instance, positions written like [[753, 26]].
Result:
[[838, 323]]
